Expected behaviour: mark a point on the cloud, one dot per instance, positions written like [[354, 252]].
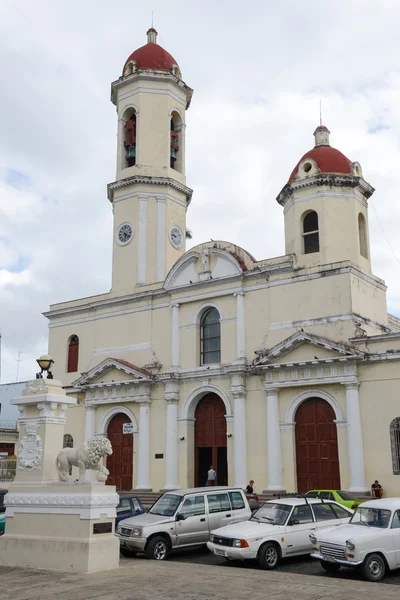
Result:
[[258, 75]]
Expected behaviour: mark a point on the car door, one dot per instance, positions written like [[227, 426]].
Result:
[[192, 521], [219, 510], [395, 533], [300, 524], [325, 515]]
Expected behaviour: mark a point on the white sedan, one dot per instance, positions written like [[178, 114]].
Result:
[[280, 528], [371, 540]]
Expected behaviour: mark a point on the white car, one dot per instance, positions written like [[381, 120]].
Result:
[[280, 528], [371, 540]]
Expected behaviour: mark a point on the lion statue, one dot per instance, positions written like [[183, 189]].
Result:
[[86, 456]]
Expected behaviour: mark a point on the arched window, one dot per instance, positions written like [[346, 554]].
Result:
[[395, 444], [210, 337], [175, 145], [362, 235], [130, 139], [73, 354], [311, 232], [68, 441]]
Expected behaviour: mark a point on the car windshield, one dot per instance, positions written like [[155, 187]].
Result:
[[371, 517], [312, 494], [345, 495], [276, 514], [166, 505]]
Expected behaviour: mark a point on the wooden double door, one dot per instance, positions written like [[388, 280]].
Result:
[[120, 463], [210, 440], [317, 458]]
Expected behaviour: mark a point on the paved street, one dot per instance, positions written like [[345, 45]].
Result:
[[183, 578]]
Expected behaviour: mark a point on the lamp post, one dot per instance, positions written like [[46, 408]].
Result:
[[45, 362]]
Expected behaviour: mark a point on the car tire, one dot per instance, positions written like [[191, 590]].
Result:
[[268, 556], [127, 552], [374, 567], [157, 548], [330, 567]]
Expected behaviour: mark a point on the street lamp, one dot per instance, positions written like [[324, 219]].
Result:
[[45, 362]]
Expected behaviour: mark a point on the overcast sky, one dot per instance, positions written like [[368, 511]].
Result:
[[258, 69]]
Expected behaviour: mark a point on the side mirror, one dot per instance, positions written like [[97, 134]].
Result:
[[294, 522], [180, 517]]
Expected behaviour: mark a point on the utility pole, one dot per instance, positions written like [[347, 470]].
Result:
[[18, 361]]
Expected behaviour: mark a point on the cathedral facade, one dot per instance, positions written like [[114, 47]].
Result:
[[283, 370]]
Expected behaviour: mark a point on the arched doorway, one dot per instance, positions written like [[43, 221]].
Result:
[[210, 439], [317, 456], [120, 463]]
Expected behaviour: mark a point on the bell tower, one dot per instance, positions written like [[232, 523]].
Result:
[[149, 195], [325, 205]]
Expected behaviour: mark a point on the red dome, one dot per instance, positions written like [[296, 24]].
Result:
[[151, 55], [328, 159]]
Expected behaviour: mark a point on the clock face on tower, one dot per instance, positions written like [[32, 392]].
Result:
[[124, 234], [176, 236]]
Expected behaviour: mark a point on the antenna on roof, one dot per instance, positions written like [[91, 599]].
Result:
[[152, 18], [320, 112]]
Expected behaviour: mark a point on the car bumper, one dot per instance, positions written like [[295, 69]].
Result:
[[338, 561], [232, 553], [137, 544]]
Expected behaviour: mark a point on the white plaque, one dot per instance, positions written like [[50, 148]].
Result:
[[127, 428]]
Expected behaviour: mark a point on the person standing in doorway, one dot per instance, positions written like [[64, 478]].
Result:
[[211, 476]]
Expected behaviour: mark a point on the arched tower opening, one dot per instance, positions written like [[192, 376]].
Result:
[[176, 153], [129, 150]]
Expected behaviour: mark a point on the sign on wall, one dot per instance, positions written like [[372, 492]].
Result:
[[127, 428]]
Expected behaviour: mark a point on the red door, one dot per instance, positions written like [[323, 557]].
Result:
[[317, 457], [210, 439], [120, 463]]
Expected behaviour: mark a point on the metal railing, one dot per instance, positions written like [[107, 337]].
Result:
[[8, 425]]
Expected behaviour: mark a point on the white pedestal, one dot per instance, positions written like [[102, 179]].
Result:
[[61, 527]]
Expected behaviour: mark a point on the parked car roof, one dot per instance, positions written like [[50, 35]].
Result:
[[388, 503], [202, 490]]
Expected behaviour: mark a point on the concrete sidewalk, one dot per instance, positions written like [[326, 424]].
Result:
[[150, 580]]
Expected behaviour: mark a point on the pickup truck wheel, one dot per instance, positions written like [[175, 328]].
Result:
[[157, 548], [127, 552], [373, 567], [330, 567], [268, 556]]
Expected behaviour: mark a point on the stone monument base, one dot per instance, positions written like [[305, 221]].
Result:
[[62, 527]]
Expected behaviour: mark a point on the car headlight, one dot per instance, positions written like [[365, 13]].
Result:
[[240, 544], [313, 539], [118, 530], [211, 537], [136, 532], [350, 545]]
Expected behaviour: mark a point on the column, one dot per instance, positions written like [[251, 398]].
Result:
[[143, 473], [238, 390], [274, 459], [171, 436], [240, 326], [142, 240], [355, 441], [90, 422], [176, 342], [161, 234]]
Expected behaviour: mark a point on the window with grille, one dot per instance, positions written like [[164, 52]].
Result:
[[311, 233], [395, 444], [210, 337]]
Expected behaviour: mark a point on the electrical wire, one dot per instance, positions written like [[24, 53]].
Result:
[[384, 233]]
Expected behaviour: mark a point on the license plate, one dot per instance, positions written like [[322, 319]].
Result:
[[219, 552], [328, 558]]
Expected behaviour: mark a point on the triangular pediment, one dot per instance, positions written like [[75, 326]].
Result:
[[112, 370], [306, 347]]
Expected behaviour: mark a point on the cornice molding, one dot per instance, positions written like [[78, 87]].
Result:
[[327, 179], [147, 180]]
